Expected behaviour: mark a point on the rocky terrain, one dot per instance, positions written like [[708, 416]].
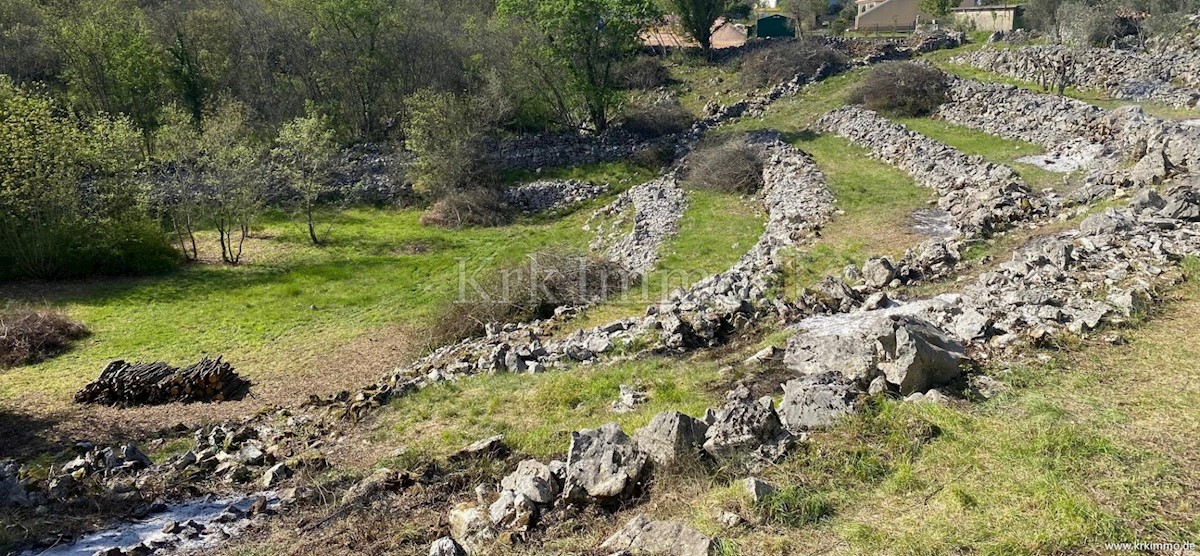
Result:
[[858, 335], [1169, 77]]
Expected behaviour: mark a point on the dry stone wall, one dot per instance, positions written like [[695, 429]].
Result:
[[655, 208], [1121, 148], [1171, 77], [980, 196]]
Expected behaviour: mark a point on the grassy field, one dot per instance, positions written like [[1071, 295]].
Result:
[[289, 303]]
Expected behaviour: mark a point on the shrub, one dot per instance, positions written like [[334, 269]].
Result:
[[462, 209], [730, 165], [653, 157], [533, 289], [902, 89], [783, 61], [642, 72], [28, 335], [658, 118]]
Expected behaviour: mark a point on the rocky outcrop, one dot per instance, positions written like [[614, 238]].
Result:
[[603, 465], [1171, 77], [746, 428], [642, 537], [817, 401], [980, 196], [544, 195], [672, 439], [908, 352]]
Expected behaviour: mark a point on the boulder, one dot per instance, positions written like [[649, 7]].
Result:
[[603, 465], [910, 352], [445, 546], [492, 446], [629, 399], [878, 272], [757, 489], [817, 401], [471, 528], [512, 511], [660, 538], [743, 426], [534, 481], [672, 439]]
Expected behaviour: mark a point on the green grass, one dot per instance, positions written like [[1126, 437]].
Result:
[[876, 201], [290, 302], [714, 232], [992, 148], [537, 413]]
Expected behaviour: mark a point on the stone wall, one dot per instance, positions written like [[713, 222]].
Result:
[[654, 208], [1123, 148], [980, 196], [1170, 77]]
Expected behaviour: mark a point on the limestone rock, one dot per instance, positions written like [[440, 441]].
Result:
[[909, 351], [603, 465], [817, 401], [757, 489], [659, 538], [743, 426], [471, 528], [445, 546], [533, 480], [672, 438]]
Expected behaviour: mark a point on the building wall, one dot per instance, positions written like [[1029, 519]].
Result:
[[893, 14], [989, 20]]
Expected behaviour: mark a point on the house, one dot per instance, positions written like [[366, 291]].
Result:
[[903, 15]]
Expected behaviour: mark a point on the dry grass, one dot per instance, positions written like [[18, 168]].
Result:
[[32, 335]]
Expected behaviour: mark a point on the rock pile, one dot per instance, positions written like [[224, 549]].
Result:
[[1171, 77], [656, 207], [1070, 129], [980, 196], [543, 195]]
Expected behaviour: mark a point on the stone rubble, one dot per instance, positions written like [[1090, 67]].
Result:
[[980, 196], [545, 195], [643, 537], [1171, 77], [1068, 128], [656, 208]]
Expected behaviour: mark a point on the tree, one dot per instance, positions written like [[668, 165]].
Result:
[[112, 65], [937, 8], [805, 11], [698, 16], [232, 175], [305, 153], [585, 37], [447, 132], [177, 183]]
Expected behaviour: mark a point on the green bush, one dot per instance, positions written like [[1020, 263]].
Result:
[[902, 89], [70, 205]]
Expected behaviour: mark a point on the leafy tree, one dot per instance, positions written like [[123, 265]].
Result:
[[177, 182], [805, 12], [305, 153], [447, 133], [112, 64], [68, 202], [586, 38], [232, 174], [25, 54], [698, 16], [937, 8]]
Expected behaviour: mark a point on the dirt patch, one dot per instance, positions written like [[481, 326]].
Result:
[[37, 422]]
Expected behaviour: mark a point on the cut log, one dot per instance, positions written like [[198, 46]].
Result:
[[128, 384]]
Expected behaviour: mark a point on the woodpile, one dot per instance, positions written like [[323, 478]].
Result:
[[128, 384]]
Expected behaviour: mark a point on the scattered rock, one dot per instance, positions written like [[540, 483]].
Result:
[[672, 439], [644, 537], [603, 465]]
